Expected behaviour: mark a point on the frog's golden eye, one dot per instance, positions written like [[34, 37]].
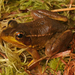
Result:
[[12, 23], [19, 35]]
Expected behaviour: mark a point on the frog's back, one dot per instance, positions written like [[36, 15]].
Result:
[[41, 30]]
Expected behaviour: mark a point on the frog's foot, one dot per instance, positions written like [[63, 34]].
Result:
[[45, 13]]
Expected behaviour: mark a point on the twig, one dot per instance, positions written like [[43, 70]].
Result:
[[64, 9], [68, 5], [71, 2]]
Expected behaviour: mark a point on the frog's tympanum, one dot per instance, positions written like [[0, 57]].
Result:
[[44, 32]]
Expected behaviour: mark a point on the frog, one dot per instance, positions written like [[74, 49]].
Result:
[[45, 31]]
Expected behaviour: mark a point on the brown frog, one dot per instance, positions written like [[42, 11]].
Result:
[[45, 31]]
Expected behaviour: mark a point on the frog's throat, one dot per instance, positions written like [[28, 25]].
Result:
[[13, 41]]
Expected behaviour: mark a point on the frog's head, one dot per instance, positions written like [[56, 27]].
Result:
[[15, 35]]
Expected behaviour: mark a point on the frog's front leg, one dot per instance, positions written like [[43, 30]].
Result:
[[45, 13], [58, 44], [33, 52]]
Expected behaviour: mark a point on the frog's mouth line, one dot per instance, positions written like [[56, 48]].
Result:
[[13, 41]]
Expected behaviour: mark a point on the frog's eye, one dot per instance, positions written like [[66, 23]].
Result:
[[19, 35], [12, 23]]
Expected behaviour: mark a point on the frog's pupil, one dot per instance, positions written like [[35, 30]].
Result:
[[20, 35]]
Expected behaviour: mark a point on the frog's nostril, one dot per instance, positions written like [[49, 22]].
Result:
[[3, 27]]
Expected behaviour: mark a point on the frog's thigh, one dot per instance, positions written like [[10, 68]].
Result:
[[53, 15], [36, 14], [43, 13], [59, 44]]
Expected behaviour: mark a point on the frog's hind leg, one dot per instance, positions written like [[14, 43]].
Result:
[[36, 15], [42, 13], [58, 44]]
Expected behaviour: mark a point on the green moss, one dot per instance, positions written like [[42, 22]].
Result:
[[53, 64], [11, 71]]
